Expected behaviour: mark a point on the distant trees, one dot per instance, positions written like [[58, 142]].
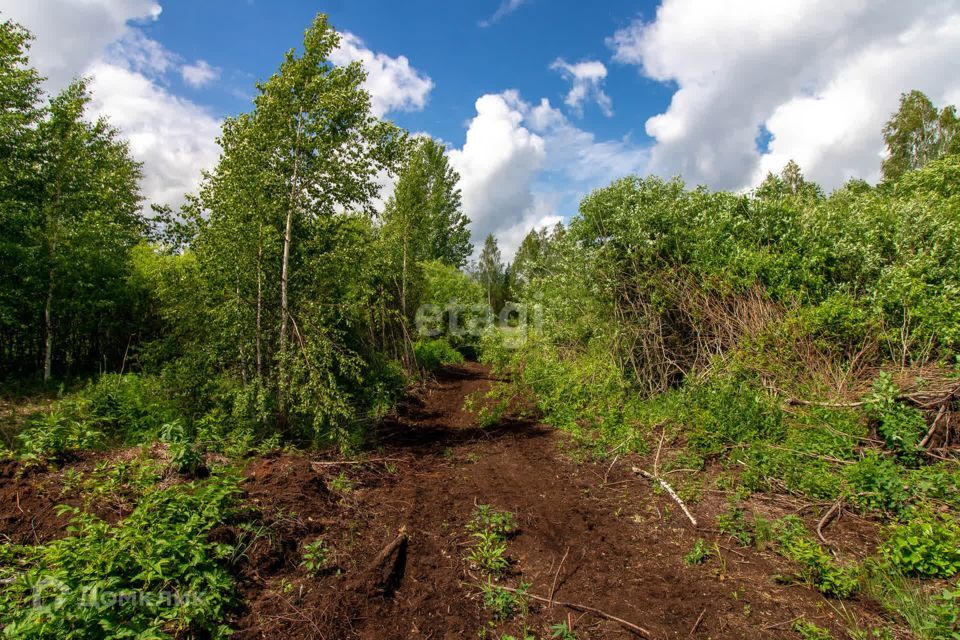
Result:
[[70, 207], [918, 134], [423, 220], [491, 273]]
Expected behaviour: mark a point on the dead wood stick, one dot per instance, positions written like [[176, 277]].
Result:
[[584, 608], [553, 589], [827, 517], [666, 487], [933, 427], [696, 624]]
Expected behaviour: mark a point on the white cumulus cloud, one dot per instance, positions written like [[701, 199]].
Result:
[[586, 84], [821, 76], [393, 84], [526, 166], [173, 137], [199, 74]]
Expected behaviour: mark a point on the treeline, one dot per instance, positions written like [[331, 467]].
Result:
[[661, 282], [70, 212], [277, 297]]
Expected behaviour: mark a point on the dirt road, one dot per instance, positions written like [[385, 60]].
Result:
[[588, 533]]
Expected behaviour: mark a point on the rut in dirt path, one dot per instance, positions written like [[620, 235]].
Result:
[[600, 535]]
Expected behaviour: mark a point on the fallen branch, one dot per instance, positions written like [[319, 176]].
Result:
[[696, 624], [827, 518], [585, 609], [383, 575], [933, 427], [669, 490], [553, 589]]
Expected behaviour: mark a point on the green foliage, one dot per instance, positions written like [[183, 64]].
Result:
[[698, 554], [817, 568], [53, 435], [930, 616], [733, 522], [504, 604], [729, 412], [878, 484], [433, 354], [918, 134], [927, 546], [153, 574], [810, 631], [561, 631], [491, 529], [901, 426], [316, 556]]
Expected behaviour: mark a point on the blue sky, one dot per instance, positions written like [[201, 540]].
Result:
[[444, 40], [538, 101]]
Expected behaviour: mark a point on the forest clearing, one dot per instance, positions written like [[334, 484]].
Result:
[[302, 404]]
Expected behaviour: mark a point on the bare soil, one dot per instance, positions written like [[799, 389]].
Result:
[[590, 533]]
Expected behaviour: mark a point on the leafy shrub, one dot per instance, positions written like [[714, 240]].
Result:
[[901, 426], [927, 546], [53, 435], [817, 568], [129, 408], [154, 574], [877, 484], [185, 455], [729, 411], [433, 354]]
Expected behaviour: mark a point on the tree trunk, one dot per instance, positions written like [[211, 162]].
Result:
[[285, 267], [259, 307], [48, 328]]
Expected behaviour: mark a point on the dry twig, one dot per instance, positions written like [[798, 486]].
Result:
[[666, 487]]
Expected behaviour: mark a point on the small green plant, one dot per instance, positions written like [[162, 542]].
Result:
[[562, 631], [52, 436], [185, 456], [316, 556], [491, 529], [156, 568], [817, 568], [504, 604], [488, 554], [810, 631], [698, 554], [733, 522], [928, 546], [486, 518], [341, 484], [877, 484]]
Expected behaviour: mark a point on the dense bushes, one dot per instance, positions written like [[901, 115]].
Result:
[[154, 574]]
